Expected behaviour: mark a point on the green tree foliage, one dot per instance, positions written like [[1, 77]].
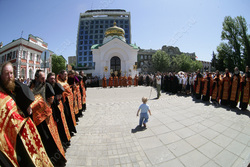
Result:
[[235, 50], [195, 66], [58, 63], [161, 61]]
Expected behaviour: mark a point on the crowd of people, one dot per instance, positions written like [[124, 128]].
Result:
[[38, 120], [225, 88], [220, 88]]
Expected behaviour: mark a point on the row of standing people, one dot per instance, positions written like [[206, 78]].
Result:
[[122, 81], [224, 89], [37, 122]]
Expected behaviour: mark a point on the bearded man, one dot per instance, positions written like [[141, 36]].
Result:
[[67, 102], [58, 111], [43, 118], [18, 133]]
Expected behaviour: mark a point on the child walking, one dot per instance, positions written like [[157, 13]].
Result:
[[144, 112]]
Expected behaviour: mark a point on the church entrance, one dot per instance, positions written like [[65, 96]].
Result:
[[115, 65]]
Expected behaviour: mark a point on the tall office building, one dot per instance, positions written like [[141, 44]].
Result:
[[91, 28]]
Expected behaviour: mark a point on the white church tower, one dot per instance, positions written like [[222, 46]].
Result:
[[114, 55]]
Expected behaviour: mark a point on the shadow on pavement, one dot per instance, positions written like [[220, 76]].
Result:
[[138, 129]]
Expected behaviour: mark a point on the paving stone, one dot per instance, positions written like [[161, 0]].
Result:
[[174, 162], [211, 164], [194, 158], [159, 154], [209, 134], [222, 140], [175, 126], [168, 138], [150, 142], [225, 158], [197, 140], [210, 149], [180, 147], [231, 133], [243, 138], [160, 129], [236, 148], [184, 132]]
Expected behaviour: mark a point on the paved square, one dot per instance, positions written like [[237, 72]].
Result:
[[180, 132]]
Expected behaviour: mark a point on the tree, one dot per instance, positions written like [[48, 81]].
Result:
[[58, 63], [161, 61], [244, 39], [225, 57], [214, 61], [235, 49], [196, 65]]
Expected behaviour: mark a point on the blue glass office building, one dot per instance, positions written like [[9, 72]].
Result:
[[91, 29]]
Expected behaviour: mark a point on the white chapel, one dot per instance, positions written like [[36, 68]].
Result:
[[114, 55]]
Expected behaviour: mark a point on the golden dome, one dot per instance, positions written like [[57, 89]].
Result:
[[111, 31]]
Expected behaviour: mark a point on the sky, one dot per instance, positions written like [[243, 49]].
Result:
[[190, 25]]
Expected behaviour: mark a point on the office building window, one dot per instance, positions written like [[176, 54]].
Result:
[[84, 64], [80, 59], [90, 58], [90, 64], [86, 37], [81, 32], [80, 53], [90, 41], [101, 26], [91, 31], [81, 37], [81, 42], [85, 53], [96, 26], [85, 47], [80, 48], [96, 31], [85, 42], [85, 59]]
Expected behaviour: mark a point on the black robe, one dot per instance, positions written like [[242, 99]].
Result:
[[60, 126]]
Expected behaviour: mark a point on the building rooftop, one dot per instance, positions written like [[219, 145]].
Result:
[[105, 10]]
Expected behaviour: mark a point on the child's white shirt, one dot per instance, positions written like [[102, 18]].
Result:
[[144, 108]]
